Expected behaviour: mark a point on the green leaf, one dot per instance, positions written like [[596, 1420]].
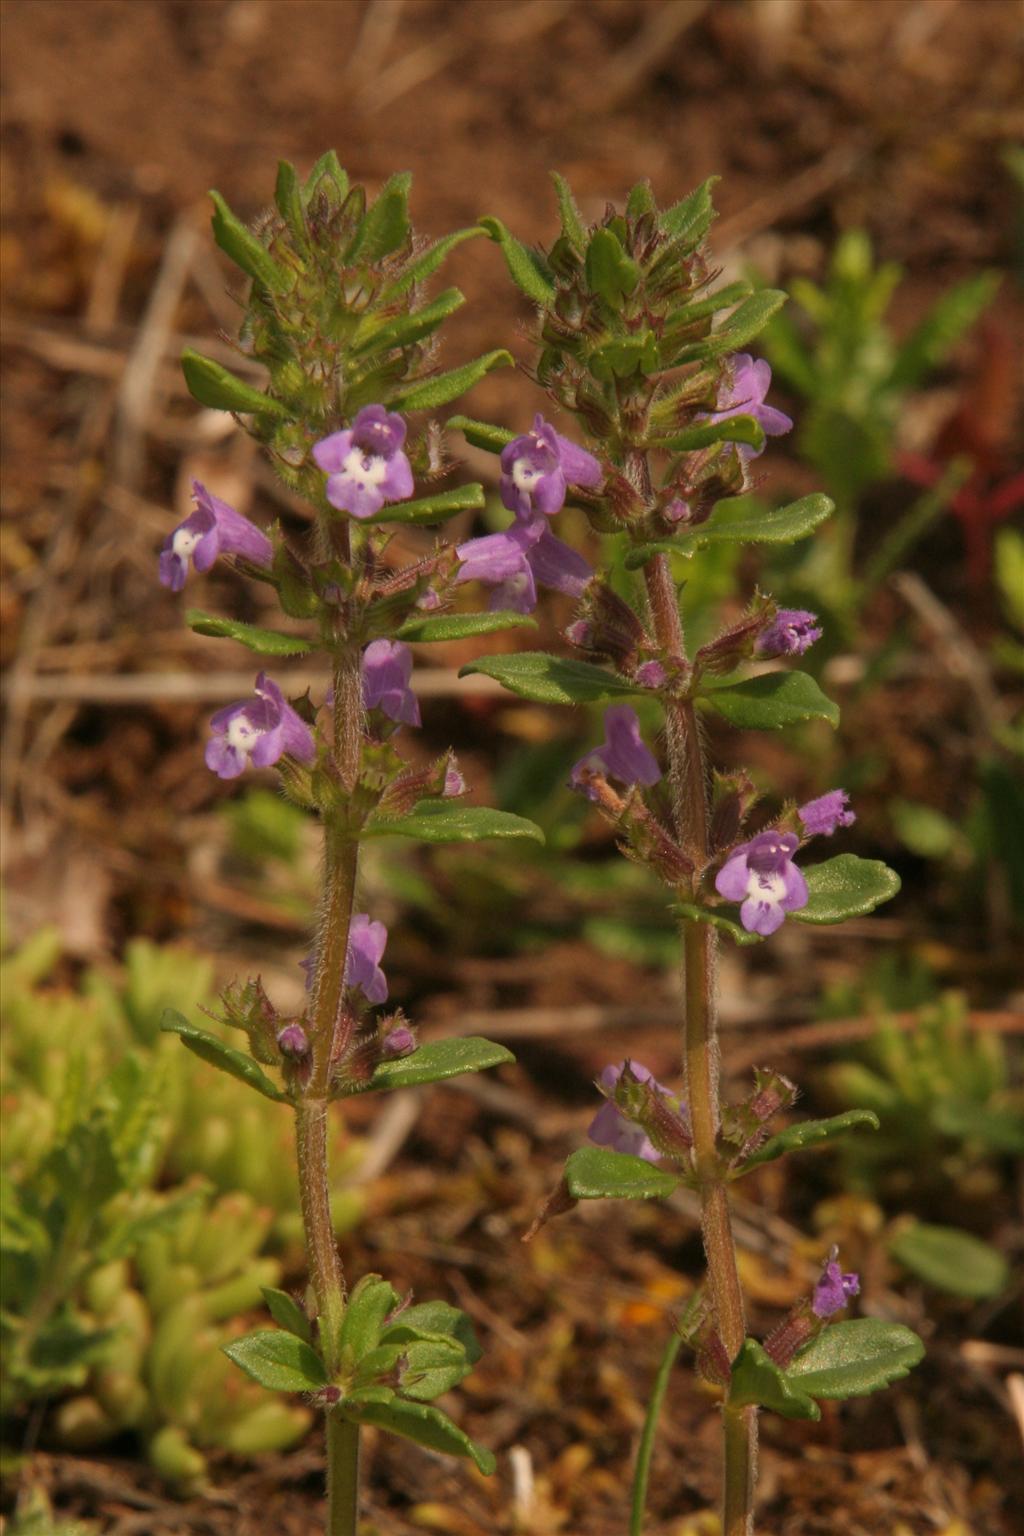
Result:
[[459, 626], [219, 1054], [428, 394], [287, 1313], [426, 1426], [717, 919], [640, 200], [526, 268], [597, 1173], [955, 312], [809, 1133], [435, 1063], [367, 1307], [434, 1320], [733, 522], [278, 1361], [853, 1359], [432, 509], [699, 309], [690, 218], [432, 1366], [445, 821], [951, 1260], [757, 1379], [385, 226], [770, 701], [328, 166], [215, 386], [245, 250], [404, 330], [572, 225], [288, 197], [480, 433], [746, 321], [268, 642], [611, 274], [736, 429], [846, 886], [625, 356], [548, 679], [426, 264]]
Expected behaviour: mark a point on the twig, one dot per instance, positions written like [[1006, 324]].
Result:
[[138, 384], [631, 66], [168, 687], [956, 650]]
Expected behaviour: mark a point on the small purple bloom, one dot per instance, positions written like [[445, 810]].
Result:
[[821, 817], [293, 1042], [677, 511], [365, 465], [745, 395], [212, 529], [387, 668], [834, 1289], [259, 730], [454, 783], [651, 674], [366, 944], [537, 467], [610, 1128], [398, 1042], [622, 756], [761, 874], [790, 633], [514, 561]]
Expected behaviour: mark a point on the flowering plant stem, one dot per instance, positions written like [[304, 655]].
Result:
[[341, 858], [688, 785], [645, 1450]]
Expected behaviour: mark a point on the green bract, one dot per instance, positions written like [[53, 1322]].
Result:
[[551, 680]]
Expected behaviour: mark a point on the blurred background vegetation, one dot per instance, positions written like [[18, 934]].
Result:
[[871, 159]]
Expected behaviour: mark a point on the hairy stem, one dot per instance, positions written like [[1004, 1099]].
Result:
[[342, 1476], [341, 867], [688, 785], [642, 1473], [740, 1470], [321, 1249]]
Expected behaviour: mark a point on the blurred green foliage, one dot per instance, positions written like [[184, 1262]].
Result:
[[841, 356], [145, 1202], [946, 1099]]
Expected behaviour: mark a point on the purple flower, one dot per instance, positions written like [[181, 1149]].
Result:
[[454, 783], [651, 674], [398, 1042], [259, 730], [744, 395], [366, 943], [677, 511], [610, 1128], [622, 756], [387, 668], [513, 562], [821, 817], [761, 874], [293, 1042], [791, 632], [834, 1289], [365, 465], [212, 529], [537, 467]]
